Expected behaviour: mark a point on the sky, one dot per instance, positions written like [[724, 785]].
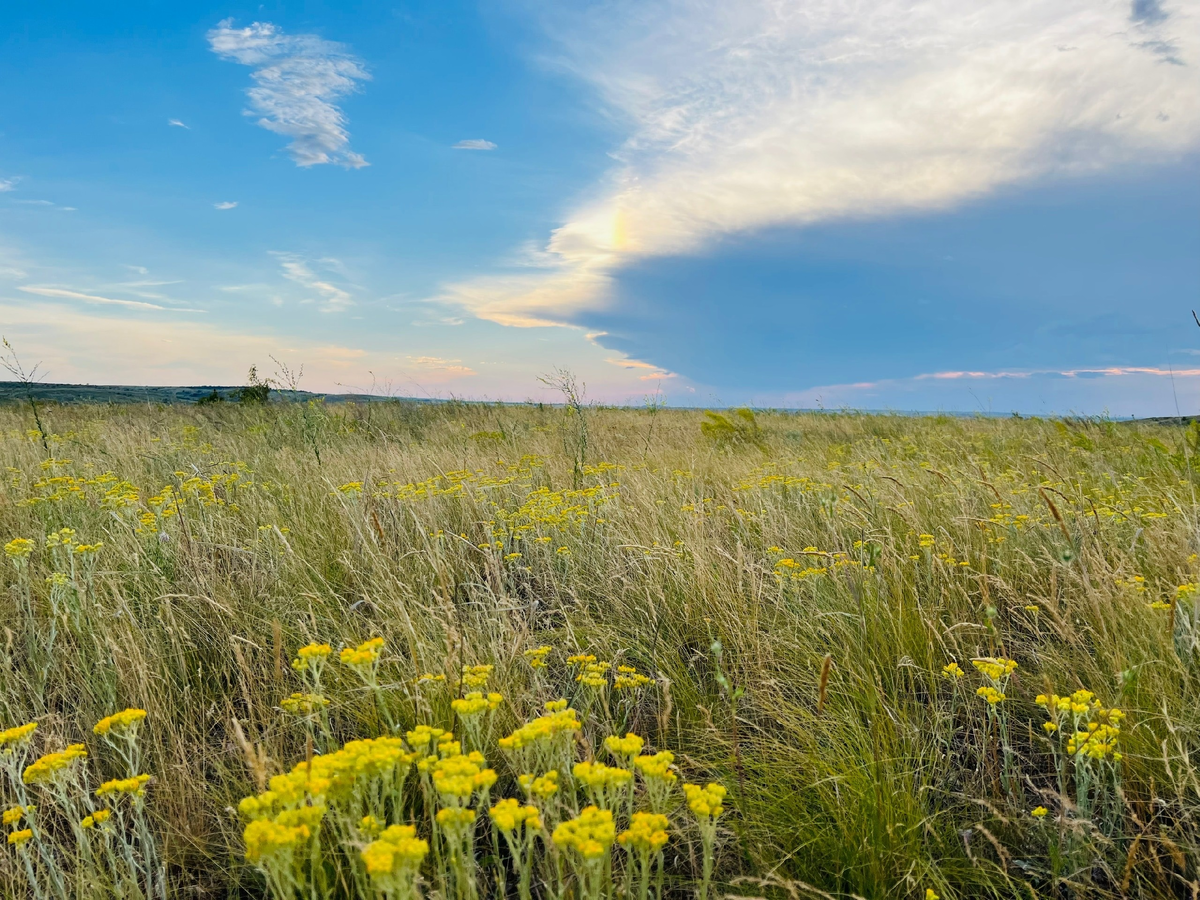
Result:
[[990, 207]]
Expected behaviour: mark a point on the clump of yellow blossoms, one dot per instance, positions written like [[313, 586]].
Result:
[[20, 838], [995, 668], [629, 678], [122, 723], [1039, 812], [18, 549], [647, 833], [476, 676], [624, 748], [537, 657], [705, 802], [364, 656], [51, 767], [542, 786], [135, 787], [990, 695], [594, 674], [604, 784], [509, 815], [952, 671], [304, 704], [99, 817], [13, 815], [16, 736], [475, 703], [590, 835], [393, 860], [313, 655]]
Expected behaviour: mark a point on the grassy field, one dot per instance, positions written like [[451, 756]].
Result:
[[859, 626]]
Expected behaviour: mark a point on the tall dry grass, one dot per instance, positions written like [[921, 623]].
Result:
[[837, 562]]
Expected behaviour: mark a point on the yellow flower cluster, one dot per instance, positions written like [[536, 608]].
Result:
[[598, 776], [626, 747], [19, 838], [509, 816], [561, 720], [952, 670], [120, 723], [455, 821], [995, 668], [48, 767], [705, 802], [13, 815], [304, 704], [628, 678], [594, 674], [647, 833], [475, 703], [312, 655], [11, 737], [1039, 812], [99, 817], [135, 786], [542, 787], [424, 736], [1099, 741], [590, 835], [396, 851], [331, 775], [267, 838], [457, 777], [990, 695], [364, 656], [18, 549], [537, 657], [476, 676]]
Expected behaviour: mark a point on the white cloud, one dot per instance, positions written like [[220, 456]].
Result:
[[474, 145], [225, 204], [7, 184], [297, 270], [760, 114], [297, 79], [176, 123], [93, 298], [451, 368], [35, 202]]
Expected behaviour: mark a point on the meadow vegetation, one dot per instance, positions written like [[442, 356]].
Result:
[[468, 651]]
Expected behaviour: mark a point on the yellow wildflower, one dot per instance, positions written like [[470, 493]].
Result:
[[476, 676], [647, 833], [48, 767], [135, 786], [11, 737], [364, 655], [590, 835], [123, 722], [19, 838], [537, 657], [1039, 812], [13, 815], [509, 815], [18, 549], [952, 670], [705, 802]]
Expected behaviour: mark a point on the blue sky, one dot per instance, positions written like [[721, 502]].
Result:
[[889, 205]]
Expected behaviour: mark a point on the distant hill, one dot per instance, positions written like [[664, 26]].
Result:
[[12, 391]]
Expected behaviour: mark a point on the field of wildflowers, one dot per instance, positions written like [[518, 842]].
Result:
[[454, 651]]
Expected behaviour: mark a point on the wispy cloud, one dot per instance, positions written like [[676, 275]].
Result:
[[225, 204], [65, 294], [297, 270], [177, 124], [474, 144], [297, 80], [652, 373], [760, 114], [451, 367], [7, 184]]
